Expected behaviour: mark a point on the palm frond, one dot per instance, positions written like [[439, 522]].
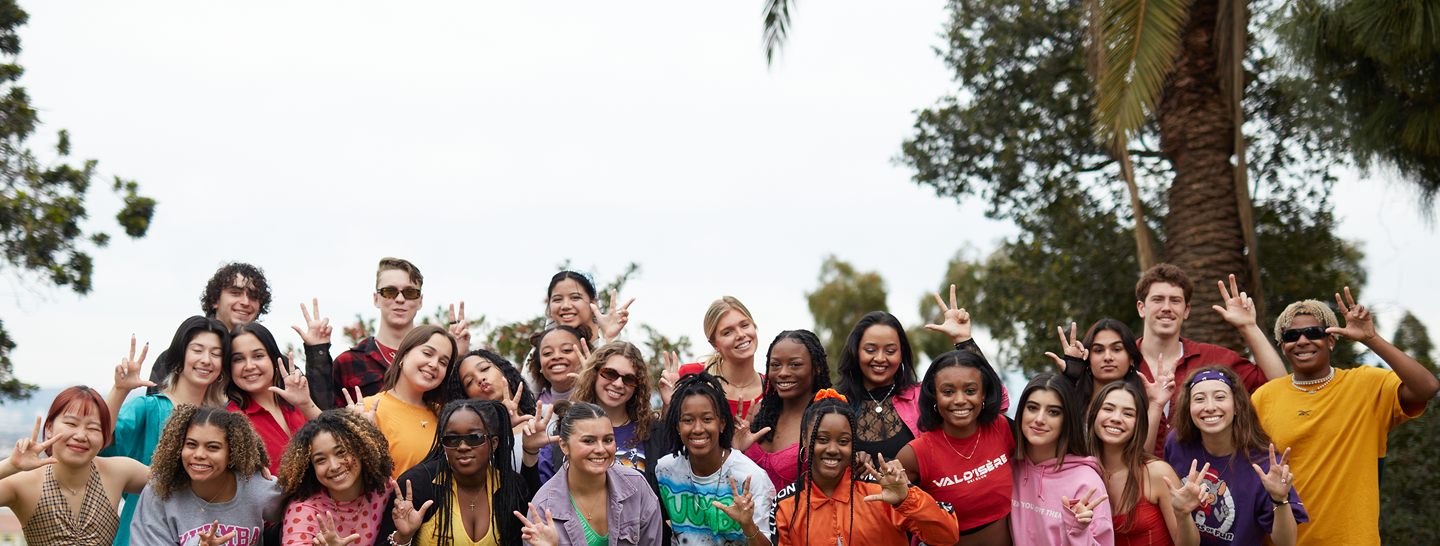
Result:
[[1142, 39], [777, 26]]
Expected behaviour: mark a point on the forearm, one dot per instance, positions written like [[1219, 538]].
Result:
[[1155, 413], [310, 411], [1284, 529], [114, 401], [1420, 383], [1266, 357], [926, 519], [319, 369], [1184, 533], [753, 536]]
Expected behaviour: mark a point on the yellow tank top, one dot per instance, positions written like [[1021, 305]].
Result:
[[429, 531]]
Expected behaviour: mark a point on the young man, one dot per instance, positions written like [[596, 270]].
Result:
[[236, 293], [1335, 422], [1164, 302]]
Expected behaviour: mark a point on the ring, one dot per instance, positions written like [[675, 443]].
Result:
[[454, 322]]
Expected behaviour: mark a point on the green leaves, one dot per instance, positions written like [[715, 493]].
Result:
[[777, 26], [843, 297], [1141, 40]]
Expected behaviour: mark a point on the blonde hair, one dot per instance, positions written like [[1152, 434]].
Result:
[[717, 310], [1314, 308]]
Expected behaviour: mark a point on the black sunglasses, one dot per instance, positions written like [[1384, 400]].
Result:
[[453, 441], [609, 374], [1313, 333], [389, 292]]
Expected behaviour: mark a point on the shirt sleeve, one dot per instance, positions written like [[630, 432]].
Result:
[[319, 371], [133, 418], [763, 493], [1249, 373], [300, 524], [148, 525], [922, 517]]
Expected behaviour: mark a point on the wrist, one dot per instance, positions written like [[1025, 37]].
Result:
[[749, 529]]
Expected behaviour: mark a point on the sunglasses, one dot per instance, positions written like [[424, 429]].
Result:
[[453, 441], [1312, 333], [609, 374], [390, 292]]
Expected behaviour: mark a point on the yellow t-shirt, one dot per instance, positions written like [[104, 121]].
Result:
[[429, 531], [1336, 439], [409, 429]]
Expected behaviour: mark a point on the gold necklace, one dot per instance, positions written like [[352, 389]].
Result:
[[410, 409], [972, 449]]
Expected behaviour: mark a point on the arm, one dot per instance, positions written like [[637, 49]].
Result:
[[149, 524], [1177, 517], [134, 474], [1239, 311], [910, 463], [1279, 487], [318, 365], [1417, 384], [1086, 520], [1157, 394], [127, 378], [304, 535]]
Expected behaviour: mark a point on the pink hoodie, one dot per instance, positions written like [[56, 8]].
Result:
[[1037, 516]]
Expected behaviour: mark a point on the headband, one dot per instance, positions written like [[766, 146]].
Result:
[[829, 393], [1211, 375], [587, 276]]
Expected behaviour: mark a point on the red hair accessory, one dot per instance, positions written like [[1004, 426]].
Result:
[[829, 393]]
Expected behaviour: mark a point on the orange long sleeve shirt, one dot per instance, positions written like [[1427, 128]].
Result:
[[876, 522]]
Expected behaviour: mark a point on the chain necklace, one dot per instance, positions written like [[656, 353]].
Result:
[[972, 449], [880, 406], [410, 409], [1322, 382], [212, 499], [474, 498]]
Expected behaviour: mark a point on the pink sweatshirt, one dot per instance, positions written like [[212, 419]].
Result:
[[1037, 515]]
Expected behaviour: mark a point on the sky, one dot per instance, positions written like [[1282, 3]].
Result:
[[488, 142]]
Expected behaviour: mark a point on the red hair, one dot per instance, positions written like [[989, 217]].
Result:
[[81, 394]]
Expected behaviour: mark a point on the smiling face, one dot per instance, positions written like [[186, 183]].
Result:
[[335, 469], [1308, 356], [465, 459], [1115, 422], [832, 449], [790, 371], [1212, 407], [202, 359], [87, 436], [399, 311], [235, 304], [700, 426], [1108, 359], [614, 394], [569, 305], [206, 455], [559, 357], [591, 446], [250, 366], [959, 396], [425, 364], [1041, 420], [1164, 309], [481, 378], [879, 355], [734, 337]]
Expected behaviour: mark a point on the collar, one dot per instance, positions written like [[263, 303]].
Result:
[[908, 393], [842, 492]]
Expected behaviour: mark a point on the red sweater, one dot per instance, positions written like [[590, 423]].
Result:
[[1199, 355]]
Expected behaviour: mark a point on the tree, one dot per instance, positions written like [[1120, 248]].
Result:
[[843, 297], [962, 272], [1412, 337], [41, 205]]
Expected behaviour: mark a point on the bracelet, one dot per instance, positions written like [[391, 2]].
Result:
[[393, 543], [1278, 503], [757, 533], [528, 452]]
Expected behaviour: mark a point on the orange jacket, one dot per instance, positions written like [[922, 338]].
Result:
[[875, 523]]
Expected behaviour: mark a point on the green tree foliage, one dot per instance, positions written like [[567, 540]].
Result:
[[1407, 497], [843, 297], [659, 344], [1412, 337], [42, 205], [962, 272]]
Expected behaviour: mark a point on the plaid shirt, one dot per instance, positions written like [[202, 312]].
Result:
[[362, 366]]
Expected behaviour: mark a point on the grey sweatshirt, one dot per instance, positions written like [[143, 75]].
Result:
[[180, 520]]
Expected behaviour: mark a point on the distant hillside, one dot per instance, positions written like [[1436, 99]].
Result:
[[17, 419]]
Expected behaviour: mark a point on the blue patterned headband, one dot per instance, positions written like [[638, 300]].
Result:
[[1211, 375], [587, 276]]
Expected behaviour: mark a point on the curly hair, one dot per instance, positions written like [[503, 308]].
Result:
[[527, 403], [637, 408], [246, 455], [1166, 273], [708, 386], [510, 496], [224, 279], [533, 364], [357, 438], [770, 403]]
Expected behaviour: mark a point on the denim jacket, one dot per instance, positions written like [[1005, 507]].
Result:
[[634, 511]]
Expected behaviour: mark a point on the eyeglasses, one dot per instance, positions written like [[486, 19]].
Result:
[[609, 374], [389, 292], [453, 441], [1312, 333]]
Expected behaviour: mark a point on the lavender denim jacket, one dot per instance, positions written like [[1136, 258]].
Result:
[[634, 512]]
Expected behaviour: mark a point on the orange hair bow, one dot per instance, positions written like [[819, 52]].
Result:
[[829, 393]]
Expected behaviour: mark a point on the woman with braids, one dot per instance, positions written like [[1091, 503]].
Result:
[[1248, 493], [466, 489], [592, 501], [845, 506], [615, 379], [1109, 353], [59, 490], [206, 487], [1059, 495], [797, 369], [730, 329], [1146, 506], [276, 401], [714, 494], [415, 388], [195, 374], [555, 362], [336, 474]]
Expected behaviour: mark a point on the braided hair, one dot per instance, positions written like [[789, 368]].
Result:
[[511, 495], [770, 403], [804, 465], [698, 384]]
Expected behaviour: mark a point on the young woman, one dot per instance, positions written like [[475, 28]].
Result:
[[485, 375], [555, 362], [963, 456], [714, 493], [592, 501], [1247, 495], [797, 369], [206, 486], [336, 475], [1059, 495], [465, 491], [730, 329], [276, 401], [1107, 354], [573, 301], [196, 375], [68, 495], [615, 379], [415, 389], [1145, 508], [840, 506]]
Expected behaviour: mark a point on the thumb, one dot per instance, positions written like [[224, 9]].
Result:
[[595, 309], [1168, 482], [762, 431], [146, 383], [297, 330], [1218, 309], [276, 390], [872, 498]]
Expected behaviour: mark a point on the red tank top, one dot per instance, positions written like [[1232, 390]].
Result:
[[979, 487], [1149, 526]]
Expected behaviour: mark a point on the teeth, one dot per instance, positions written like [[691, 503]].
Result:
[[961, 413], [1211, 419], [1113, 430], [830, 462], [558, 368], [880, 369], [199, 468], [779, 385]]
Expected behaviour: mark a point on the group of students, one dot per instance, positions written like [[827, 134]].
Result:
[[411, 437]]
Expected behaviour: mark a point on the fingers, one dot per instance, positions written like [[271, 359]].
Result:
[[425, 506], [1285, 457], [42, 447], [1170, 484], [143, 351], [1073, 341], [409, 492], [348, 400], [733, 491], [1091, 506], [549, 520], [943, 308], [1348, 297], [306, 313], [523, 519], [1343, 308], [746, 490], [952, 297], [35, 436], [1086, 499], [1061, 330], [462, 312]]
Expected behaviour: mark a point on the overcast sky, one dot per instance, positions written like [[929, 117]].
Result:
[[489, 141]]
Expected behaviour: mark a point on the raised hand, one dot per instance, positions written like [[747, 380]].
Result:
[[894, 485], [669, 376], [611, 324], [535, 435], [1073, 348], [28, 451], [357, 405], [297, 388], [743, 438], [1186, 498], [1239, 309], [1162, 388], [1359, 323], [209, 538], [329, 534], [317, 330], [743, 511], [407, 518], [957, 321], [1084, 508], [511, 401], [459, 327], [1278, 480], [539, 532], [127, 374]]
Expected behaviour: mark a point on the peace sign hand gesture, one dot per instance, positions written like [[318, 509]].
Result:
[[407, 518], [1073, 348], [957, 320], [28, 451], [1186, 498], [743, 511], [894, 485], [1083, 508], [460, 328], [1359, 324], [611, 324], [208, 538], [1278, 480], [127, 374], [329, 534], [317, 330], [539, 532], [1162, 388], [534, 435], [297, 388], [511, 401], [357, 405], [1239, 309], [743, 438]]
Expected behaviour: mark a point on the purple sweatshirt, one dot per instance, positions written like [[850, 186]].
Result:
[[1037, 515]]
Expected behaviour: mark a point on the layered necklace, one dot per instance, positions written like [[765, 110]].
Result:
[[1322, 382], [880, 405]]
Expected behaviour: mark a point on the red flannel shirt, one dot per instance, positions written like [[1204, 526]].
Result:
[[362, 366], [1199, 355]]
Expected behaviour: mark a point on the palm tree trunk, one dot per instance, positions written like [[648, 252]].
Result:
[[1144, 249], [1203, 235]]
